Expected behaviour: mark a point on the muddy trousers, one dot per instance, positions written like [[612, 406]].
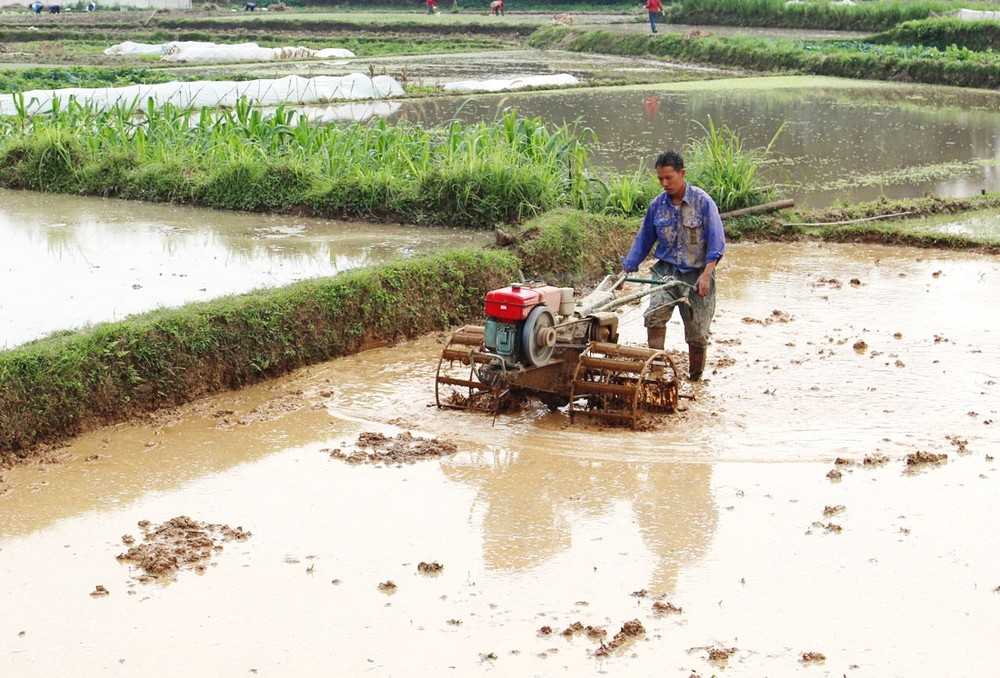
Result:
[[652, 21], [696, 315]]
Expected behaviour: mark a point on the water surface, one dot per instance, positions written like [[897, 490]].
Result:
[[837, 140], [68, 261]]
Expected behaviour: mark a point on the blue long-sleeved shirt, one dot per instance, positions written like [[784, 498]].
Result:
[[687, 236]]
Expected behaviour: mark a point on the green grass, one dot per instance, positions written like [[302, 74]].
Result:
[[869, 16], [473, 176], [23, 80]]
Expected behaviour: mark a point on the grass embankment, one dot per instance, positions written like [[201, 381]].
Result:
[[25, 80], [84, 43], [943, 33], [474, 176], [848, 59], [53, 388], [471, 176], [877, 15]]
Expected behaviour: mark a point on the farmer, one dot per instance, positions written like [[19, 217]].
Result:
[[36, 8], [54, 9], [431, 7], [249, 7], [683, 223], [91, 6], [496, 7], [653, 7]]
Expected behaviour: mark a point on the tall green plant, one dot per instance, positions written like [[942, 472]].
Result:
[[721, 164]]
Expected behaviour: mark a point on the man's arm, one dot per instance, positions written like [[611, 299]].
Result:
[[643, 242], [715, 246]]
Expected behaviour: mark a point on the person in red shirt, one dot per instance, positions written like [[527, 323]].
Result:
[[432, 6], [653, 7]]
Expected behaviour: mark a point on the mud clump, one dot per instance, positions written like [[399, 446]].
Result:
[[376, 448], [920, 458], [388, 586], [875, 460], [592, 632], [430, 568], [777, 316], [660, 608], [720, 654], [812, 657], [179, 543], [629, 631], [99, 592]]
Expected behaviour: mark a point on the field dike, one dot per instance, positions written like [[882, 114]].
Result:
[[60, 386], [71, 382], [766, 56]]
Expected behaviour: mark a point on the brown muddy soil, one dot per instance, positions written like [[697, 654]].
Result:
[[178, 544], [377, 448]]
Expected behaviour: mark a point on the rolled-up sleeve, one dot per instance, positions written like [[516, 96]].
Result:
[[715, 236], [643, 242]]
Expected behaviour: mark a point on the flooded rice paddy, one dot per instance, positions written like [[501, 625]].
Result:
[[68, 261], [824, 505], [837, 140], [785, 523]]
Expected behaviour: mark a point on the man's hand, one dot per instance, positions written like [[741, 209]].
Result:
[[704, 281]]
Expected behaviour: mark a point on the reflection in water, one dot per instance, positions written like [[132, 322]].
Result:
[[839, 140], [87, 260], [652, 106], [531, 500]]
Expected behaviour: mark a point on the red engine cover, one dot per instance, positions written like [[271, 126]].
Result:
[[511, 303]]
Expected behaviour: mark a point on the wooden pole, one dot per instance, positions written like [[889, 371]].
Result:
[[757, 209]]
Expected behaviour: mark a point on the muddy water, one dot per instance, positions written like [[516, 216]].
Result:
[[723, 511], [68, 261], [839, 139]]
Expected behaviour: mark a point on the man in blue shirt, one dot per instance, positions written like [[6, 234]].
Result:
[[684, 224]]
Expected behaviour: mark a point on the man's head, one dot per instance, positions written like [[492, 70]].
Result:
[[670, 173]]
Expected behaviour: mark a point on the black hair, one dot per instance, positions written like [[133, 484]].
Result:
[[670, 159]]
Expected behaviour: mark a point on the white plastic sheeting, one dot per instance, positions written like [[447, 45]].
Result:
[[974, 15], [356, 112], [292, 89], [499, 84], [209, 52]]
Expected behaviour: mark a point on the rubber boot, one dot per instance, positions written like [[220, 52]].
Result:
[[696, 361], [656, 337]]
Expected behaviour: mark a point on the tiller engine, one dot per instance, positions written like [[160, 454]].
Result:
[[540, 341]]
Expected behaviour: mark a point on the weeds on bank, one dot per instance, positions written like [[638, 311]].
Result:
[[475, 175], [875, 15]]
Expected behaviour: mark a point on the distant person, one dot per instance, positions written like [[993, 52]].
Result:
[[249, 7], [36, 8], [431, 7], [654, 7], [54, 9], [91, 6], [496, 8]]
